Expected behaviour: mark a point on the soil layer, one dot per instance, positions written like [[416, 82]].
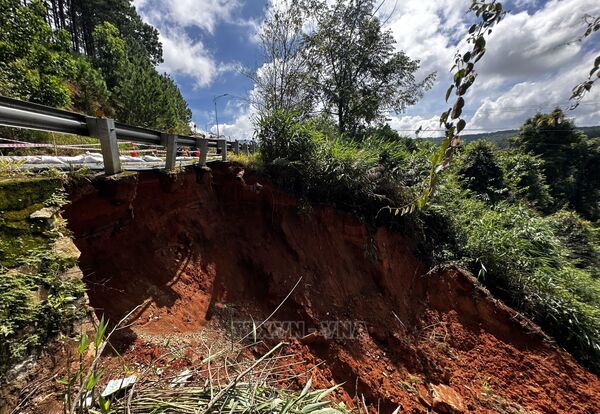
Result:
[[205, 246]]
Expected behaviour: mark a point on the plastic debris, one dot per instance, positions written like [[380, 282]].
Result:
[[114, 386]]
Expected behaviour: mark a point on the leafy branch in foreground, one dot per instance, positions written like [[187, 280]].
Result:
[[490, 14], [579, 91]]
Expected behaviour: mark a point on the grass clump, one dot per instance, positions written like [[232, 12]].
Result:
[[517, 254], [312, 161]]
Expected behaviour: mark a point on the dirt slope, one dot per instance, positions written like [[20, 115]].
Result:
[[206, 245]]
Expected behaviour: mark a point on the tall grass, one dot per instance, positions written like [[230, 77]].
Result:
[[517, 254]]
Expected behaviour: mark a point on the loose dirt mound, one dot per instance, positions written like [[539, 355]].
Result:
[[202, 246]]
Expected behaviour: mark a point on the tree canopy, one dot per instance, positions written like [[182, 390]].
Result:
[[354, 67], [571, 160], [88, 56]]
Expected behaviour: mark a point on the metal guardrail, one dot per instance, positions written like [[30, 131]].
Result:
[[19, 114]]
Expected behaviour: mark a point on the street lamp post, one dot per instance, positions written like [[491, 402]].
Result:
[[216, 116]]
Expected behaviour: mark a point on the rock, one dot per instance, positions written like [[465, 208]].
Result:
[[72, 273], [446, 400], [65, 249], [46, 213]]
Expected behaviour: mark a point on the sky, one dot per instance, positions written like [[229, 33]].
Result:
[[533, 59]]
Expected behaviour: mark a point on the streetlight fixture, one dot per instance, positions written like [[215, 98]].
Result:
[[216, 117]]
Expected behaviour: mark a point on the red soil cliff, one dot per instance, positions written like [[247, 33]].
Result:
[[188, 246]]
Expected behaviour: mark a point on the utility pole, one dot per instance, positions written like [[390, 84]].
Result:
[[216, 116]]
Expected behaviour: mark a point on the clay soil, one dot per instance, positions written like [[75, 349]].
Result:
[[204, 247]]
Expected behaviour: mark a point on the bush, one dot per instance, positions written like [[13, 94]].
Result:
[[525, 177], [517, 254], [314, 162], [580, 239], [480, 170]]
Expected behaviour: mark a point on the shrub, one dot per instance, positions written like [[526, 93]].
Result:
[[311, 160], [525, 177], [580, 239], [517, 254], [480, 170]]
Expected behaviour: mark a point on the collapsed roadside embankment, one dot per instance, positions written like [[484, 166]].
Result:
[[188, 246]]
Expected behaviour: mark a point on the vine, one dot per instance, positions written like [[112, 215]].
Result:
[[490, 13], [579, 91]]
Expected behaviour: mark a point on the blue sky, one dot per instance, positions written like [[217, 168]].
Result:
[[532, 64]]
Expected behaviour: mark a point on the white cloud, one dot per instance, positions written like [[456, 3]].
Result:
[[204, 14], [427, 30], [241, 128], [524, 46], [184, 56], [532, 61], [407, 125], [524, 99]]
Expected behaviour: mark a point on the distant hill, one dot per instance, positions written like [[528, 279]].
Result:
[[500, 138]]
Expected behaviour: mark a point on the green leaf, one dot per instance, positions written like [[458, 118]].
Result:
[[458, 76], [448, 92], [460, 126], [104, 404], [100, 332], [306, 388], [92, 380], [309, 408], [328, 410], [83, 343], [328, 391]]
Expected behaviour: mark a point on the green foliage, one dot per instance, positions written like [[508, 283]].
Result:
[[37, 300], [315, 163], [111, 54], [519, 256], [581, 89], [34, 61], [580, 239], [489, 13], [571, 161], [354, 67], [116, 78], [90, 93], [480, 171], [524, 175]]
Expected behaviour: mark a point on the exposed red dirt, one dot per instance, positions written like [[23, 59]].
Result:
[[202, 245]]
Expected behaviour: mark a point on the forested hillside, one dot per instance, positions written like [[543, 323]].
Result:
[[501, 138], [93, 56]]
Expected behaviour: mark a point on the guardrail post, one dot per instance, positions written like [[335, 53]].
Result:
[[245, 148], [202, 144], [171, 144], [236, 147], [104, 130], [223, 143]]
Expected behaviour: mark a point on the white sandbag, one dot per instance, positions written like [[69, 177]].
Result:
[[151, 158]]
